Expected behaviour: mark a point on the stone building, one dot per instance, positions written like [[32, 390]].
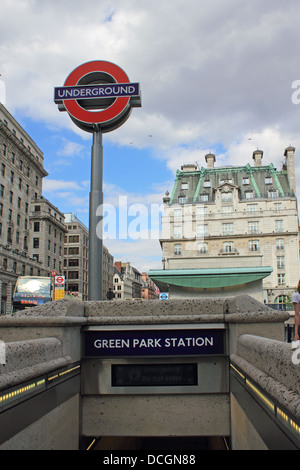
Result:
[[231, 227], [148, 288], [47, 232], [21, 176], [76, 259], [127, 281]]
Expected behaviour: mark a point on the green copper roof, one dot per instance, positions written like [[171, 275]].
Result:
[[209, 278], [196, 182]]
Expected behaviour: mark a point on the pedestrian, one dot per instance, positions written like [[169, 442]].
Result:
[[296, 302]]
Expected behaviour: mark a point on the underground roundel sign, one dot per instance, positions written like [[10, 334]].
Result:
[[98, 95]]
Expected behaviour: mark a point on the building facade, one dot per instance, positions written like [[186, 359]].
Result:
[[76, 255], [21, 176], [235, 217], [76, 259], [127, 282], [47, 232], [148, 288]]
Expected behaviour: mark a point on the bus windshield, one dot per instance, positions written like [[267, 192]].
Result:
[[31, 291]]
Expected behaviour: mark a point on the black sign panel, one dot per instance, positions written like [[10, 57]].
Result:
[[172, 342], [154, 375]]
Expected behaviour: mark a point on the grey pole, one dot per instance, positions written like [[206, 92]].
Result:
[[96, 218]]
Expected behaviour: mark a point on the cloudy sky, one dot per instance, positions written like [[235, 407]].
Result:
[[213, 73]]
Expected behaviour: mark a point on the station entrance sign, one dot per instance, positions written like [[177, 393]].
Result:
[[99, 97], [98, 93]]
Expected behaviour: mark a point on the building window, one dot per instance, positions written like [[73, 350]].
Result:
[[245, 180], [228, 247], [10, 197], [227, 229], [272, 194], [177, 231], [280, 244], [206, 184], [253, 245], [36, 243], [249, 194], [253, 227], [202, 230], [1, 190], [12, 176], [184, 185], [2, 170], [182, 200], [280, 262], [268, 180], [277, 207], [177, 249], [227, 210], [202, 248], [281, 279], [4, 150], [251, 207], [203, 197], [36, 226]]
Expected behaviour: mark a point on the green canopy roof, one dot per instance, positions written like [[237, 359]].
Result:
[[209, 278]]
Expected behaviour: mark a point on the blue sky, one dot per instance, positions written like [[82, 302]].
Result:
[[213, 74]]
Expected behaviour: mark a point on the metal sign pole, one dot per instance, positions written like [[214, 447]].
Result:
[[83, 93], [96, 218]]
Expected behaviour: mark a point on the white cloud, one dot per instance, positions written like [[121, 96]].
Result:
[[213, 74], [57, 185]]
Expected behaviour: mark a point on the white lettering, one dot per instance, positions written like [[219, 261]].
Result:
[[186, 342], [295, 95], [146, 343], [111, 343]]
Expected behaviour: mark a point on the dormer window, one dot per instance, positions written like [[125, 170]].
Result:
[[184, 185], [207, 184]]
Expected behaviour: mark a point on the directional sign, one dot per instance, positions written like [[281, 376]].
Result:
[[98, 94]]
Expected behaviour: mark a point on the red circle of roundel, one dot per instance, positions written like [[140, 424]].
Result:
[[100, 116]]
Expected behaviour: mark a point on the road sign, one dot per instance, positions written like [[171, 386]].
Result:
[[59, 280], [98, 93], [163, 296], [53, 273]]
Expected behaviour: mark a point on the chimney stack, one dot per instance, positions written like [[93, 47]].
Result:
[[210, 160], [257, 157], [289, 158]]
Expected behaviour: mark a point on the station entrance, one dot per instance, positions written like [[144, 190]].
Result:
[[188, 443], [156, 386]]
